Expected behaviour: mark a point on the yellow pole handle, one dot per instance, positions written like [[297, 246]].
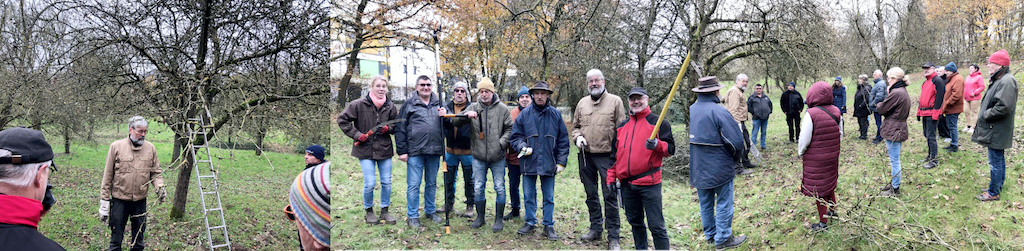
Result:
[[675, 86]]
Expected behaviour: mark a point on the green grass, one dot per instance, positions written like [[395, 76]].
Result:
[[769, 208], [253, 192], [571, 217]]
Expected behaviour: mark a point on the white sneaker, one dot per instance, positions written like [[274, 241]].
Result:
[[947, 140], [965, 129], [970, 131]]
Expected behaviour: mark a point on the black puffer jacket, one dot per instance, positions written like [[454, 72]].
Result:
[[861, 100], [458, 136], [421, 132], [759, 107]]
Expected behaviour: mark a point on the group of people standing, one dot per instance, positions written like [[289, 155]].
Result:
[[717, 154], [616, 158]]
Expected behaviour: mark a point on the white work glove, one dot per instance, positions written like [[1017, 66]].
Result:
[[560, 169], [525, 152], [104, 210], [162, 194], [581, 142]]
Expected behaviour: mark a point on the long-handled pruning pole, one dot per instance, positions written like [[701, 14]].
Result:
[[675, 86]]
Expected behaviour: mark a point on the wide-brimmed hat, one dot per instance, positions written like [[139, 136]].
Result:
[[541, 85], [708, 84]]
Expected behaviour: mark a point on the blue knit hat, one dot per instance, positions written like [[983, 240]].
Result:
[[523, 91], [317, 151], [792, 84], [839, 78], [951, 66]]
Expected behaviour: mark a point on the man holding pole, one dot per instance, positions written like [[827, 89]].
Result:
[[638, 167], [490, 126], [593, 130]]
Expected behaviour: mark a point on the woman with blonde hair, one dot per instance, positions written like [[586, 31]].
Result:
[[895, 109]]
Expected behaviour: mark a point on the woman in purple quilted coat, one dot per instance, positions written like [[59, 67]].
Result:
[[820, 132]]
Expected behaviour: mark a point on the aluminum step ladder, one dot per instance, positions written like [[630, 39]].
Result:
[[207, 183]]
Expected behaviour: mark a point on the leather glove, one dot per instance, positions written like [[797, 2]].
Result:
[[525, 152], [162, 195], [560, 169], [918, 118], [364, 137], [651, 144], [384, 129], [104, 210], [581, 142]]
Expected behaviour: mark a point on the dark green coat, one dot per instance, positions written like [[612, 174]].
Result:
[[495, 123], [995, 121]]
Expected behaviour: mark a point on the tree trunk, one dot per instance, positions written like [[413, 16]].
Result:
[[184, 178], [176, 153], [259, 142], [67, 138]]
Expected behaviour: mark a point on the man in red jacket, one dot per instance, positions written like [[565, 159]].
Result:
[[925, 110], [26, 161], [638, 169]]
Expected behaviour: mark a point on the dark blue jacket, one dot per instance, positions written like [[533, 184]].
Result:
[[839, 98], [545, 132], [458, 139], [878, 93], [421, 132], [716, 143]]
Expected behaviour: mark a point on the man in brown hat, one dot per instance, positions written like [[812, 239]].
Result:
[[26, 161], [542, 140], [716, 145], [593, 130]]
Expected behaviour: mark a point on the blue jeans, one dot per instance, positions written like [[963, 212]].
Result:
[[997, 161], [480, 179], [547, 185], [953, 132], [716, 212], [762, 126], [421, 168], [878, 126], [894, 161], [370, 181]]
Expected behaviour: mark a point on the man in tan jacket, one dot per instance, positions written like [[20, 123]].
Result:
[[593, 130], [131, 166], [737, 106]]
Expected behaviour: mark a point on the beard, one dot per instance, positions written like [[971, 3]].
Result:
[[595, 93], [137, 142]]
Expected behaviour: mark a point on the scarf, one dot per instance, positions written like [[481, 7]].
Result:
[[999, 74], [459, 106], [898, 84], [378, 102]]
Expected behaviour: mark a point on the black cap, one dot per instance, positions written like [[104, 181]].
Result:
[[928, 65], [26, 146], [637, 91]]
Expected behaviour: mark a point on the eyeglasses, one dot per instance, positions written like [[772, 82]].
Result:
[[289, 213], [459, 91]]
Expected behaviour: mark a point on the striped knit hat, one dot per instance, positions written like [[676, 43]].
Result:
[[310, 197]]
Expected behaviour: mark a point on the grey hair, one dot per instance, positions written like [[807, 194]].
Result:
[[595, 72], [137, 121], [19, 175], [378, 77], [742, 76], [863, 76], [877, 72]]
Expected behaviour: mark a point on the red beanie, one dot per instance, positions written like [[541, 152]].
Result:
[[1001, 57]]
